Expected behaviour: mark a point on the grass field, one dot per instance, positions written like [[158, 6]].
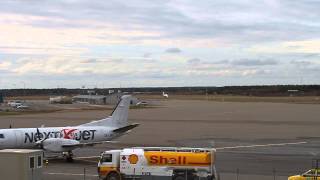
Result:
[[28, 98], [8, 113]]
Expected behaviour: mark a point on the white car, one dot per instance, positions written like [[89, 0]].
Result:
[[22, 106], [14, 103], [142, 103]]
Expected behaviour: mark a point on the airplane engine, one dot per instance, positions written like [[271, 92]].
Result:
[[59, 144]]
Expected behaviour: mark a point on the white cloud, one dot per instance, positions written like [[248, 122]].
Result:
[[173, 50], [67, 66], [227, 72], [304, 46], [254, 62], [5, 65], [225, 39]]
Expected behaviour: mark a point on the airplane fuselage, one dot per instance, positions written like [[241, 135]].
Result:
[[66, 139], [27, 137]]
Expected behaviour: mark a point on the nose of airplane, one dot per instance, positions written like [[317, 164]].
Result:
[[2, 139]]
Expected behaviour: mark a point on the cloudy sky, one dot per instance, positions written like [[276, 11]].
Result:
[[122, 43]]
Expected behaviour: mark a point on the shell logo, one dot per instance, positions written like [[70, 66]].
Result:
[[133, 159]]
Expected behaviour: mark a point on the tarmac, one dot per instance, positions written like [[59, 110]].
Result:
[[195, 123]]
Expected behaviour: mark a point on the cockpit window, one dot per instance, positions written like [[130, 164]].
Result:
[[1, 136], [106, 158]]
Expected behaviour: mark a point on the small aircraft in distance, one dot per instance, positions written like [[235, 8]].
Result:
[[65, 139], [165, 95]]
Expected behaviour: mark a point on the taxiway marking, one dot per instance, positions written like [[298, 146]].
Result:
[[71, 174], [260, 145]]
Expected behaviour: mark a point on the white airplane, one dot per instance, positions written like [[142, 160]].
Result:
[[66, 139], [165, 95]]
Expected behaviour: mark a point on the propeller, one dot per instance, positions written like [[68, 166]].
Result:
[[40, 141], [38, 134]]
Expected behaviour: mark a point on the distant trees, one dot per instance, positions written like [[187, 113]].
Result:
[[273, 90]]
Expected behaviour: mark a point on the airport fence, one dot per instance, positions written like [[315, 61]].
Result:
[[88, 173]]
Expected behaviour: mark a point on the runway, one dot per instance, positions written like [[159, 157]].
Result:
[[203, 124]]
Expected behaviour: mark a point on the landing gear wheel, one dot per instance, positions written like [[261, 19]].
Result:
[[69, 159], [69, 156], [113, 176]]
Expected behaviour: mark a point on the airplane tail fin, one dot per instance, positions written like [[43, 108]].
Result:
[[118, 117]]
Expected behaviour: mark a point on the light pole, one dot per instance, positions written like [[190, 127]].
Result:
[[24, 89]]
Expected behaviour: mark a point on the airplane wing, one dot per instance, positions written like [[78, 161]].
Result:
[[126, 128], [85, 144], [121, 130]]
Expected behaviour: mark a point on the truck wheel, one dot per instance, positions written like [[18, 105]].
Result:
[[179, 178], [113, 176]]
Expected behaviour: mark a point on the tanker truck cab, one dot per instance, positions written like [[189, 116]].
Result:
[[158, 163], [109, 165]]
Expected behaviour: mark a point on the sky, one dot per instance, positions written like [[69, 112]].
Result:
[[137, 43]]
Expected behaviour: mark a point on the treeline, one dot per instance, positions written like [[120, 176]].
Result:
[[276, 90]]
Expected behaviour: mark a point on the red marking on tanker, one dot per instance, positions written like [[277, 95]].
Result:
[[168, 160]]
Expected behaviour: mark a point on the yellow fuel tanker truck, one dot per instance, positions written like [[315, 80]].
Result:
[[155, 163]]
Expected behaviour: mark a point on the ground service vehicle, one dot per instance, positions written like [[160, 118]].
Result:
[[312, 174], [158, 163], [14, 103]]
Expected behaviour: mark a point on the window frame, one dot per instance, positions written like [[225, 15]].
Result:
[[41, 161], [33, 162], [110, 158]]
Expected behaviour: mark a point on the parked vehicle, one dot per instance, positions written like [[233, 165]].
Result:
[[22, 106], [163, 163], [14, 103], [313, 174]]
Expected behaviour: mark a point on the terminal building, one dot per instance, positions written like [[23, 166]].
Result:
[[91, 99], [110, 99]]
